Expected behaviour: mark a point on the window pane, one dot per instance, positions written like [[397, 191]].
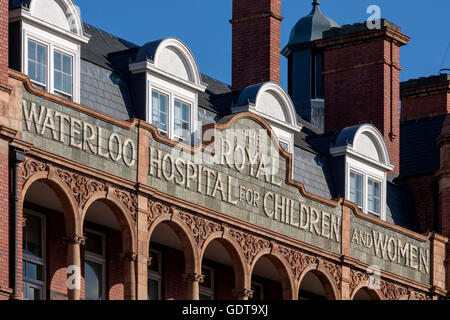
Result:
[[41, 73], [153, 289], [31, 50], [356, 188], [33, 236], [34, 271], [373, 196], [32, 70], [177, 110], [186, 112], [58, 61], [93, 280], [41, 54], [67, 84], [58, 81], [67, 64], [163, 103], [94, 243]]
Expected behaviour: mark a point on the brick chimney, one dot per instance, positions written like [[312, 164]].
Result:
[[361, 79], [425, 97], [4, 14], [256, 26]]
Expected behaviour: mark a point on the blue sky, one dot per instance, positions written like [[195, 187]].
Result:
[[203, 25]]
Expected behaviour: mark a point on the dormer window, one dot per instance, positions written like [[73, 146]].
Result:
[[52, 33], [363, 154], [173, 85], [271, 102]]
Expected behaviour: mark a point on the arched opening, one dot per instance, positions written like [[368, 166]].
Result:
[[48, 219], [366, 294], [223, 272], [105, 257], [315, 286], [270, 280], [171, 259]]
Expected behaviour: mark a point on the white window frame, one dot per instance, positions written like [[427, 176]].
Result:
[[173, 95], [45, 85], [36, 283], [205, 290], [363, 191], [99, 259], [183, 101], [53, 46], [367, 172], [156, 276]]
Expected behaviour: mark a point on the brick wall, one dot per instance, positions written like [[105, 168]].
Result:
[[426, 96], [424, 196], [4, 218], [255, 42], [4, 41], [424, 106], [114, 271], [57, 257]]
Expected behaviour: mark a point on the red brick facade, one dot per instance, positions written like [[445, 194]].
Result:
[[4, 27], [361, 83], [256, 42]]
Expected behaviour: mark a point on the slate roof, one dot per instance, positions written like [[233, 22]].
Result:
[[419, 153]]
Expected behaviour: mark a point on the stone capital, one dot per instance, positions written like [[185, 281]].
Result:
[[244, 293], [194, 277], [75, 239]]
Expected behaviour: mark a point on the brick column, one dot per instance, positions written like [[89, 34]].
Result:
[[130, 276], [4, 32], [142, 259], [74, 266], [193, 285]]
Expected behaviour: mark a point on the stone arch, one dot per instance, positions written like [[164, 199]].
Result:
[[188, 243], [241, 272], [71, 210], [122, 215], [326, 279], [374, 294], [287, 278]]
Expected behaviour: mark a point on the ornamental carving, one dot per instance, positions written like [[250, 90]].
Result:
[[82, 187], [392, 291], [156, 209], [201, 228], [334, 270], [75, 239], [129, 200], [30, 167], [245, 293], [251, 245], [297, 260], [357, 278], [194, 277], [420, 296]]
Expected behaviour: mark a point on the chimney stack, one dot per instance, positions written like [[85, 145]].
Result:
[[256, 26], [362, 79]]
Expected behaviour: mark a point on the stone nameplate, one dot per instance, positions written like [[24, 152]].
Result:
[[80, 137], [388, 250]]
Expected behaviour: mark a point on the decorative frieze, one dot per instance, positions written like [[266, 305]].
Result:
[[31, 166], [82, 187], [156, 209], [297, 260], [335, 271], [201, 228], [392, 291], [250, 244], [129, 200]]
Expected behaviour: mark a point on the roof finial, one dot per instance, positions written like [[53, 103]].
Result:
[[316, 3]]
